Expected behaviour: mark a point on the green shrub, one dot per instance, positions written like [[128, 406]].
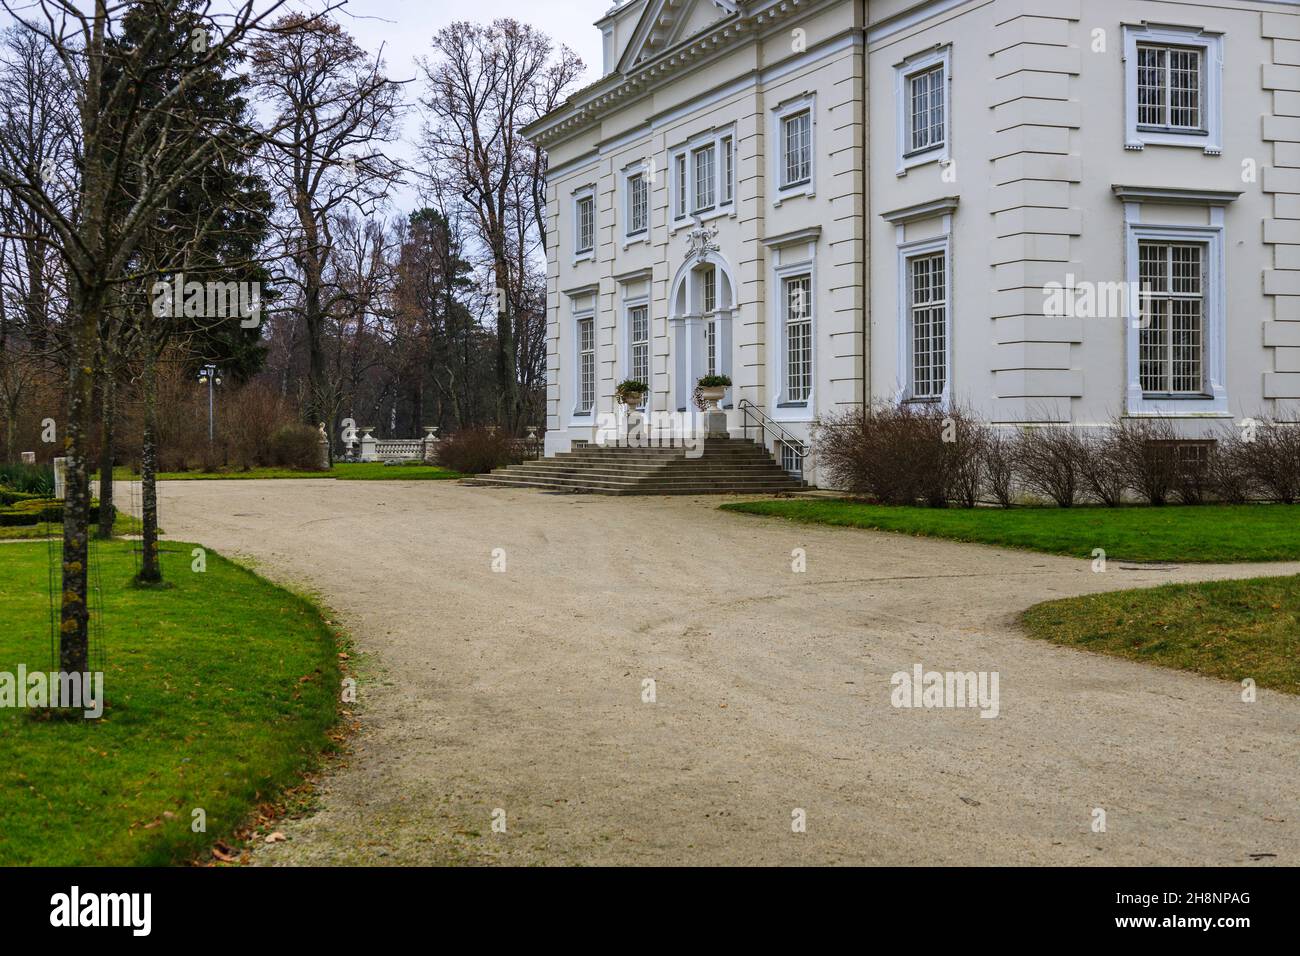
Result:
[[630, 386], [8, 497], [295, 446], [31, 479], [28, 513]]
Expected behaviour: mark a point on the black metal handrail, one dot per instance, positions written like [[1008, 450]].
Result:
[[765, 422]]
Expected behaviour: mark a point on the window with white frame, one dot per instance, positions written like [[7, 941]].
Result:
[[728, 171], [922, 85], [796, 148], [927, 324], [585, 326], [703, 177], [1170, 87], [925, 94], [709, 306], [638, 317], [792, 455], [703, 180], [796, 305], [1171, 332], [584, 223], [1173, 83], [1176, 338], [637, 200], [793, 162], [680, 186]]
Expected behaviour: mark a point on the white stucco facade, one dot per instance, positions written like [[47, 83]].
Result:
[[900, 188]]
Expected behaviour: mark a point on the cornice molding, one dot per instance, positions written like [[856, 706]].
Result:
[[922, 210], [810, 234], [1170, 195], [587, 105]]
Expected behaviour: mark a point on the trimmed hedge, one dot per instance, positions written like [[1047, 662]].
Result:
[[28, 513], [9, 497]]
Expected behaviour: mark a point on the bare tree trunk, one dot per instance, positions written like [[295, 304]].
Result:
[[108, 415], [150, 567], [74, 616], [11, 431], [507, 381]]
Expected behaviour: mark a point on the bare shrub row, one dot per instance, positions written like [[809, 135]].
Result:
[[904, 454]]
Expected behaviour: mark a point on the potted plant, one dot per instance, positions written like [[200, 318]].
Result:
[[709, 391], [631, 392]]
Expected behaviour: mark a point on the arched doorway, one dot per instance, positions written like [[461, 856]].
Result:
[[700, 309]]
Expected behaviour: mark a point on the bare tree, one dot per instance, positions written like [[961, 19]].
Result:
[[338, 109], [483, 85], [121, 136]]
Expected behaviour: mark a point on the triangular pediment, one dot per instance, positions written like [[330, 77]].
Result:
[[666, 23]]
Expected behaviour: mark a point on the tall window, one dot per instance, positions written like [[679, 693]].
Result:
[[925, 127], [928, 323], [637, 204], [681, 185], [728, 170], [709, 293], [1170, 85], [586, 365], [639, 317], [922, 89], [796, 301], [1171, 339], [704, 158], [796, 148], [704, 173], [585, 214]]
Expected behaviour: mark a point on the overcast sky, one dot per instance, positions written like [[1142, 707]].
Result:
[[402, 29]]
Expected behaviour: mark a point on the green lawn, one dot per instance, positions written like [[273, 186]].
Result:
[[220, 691], [1217, 533], [1226, 629], [347, 471]]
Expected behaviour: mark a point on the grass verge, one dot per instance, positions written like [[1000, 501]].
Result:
[[221, 690], [1206, 533], [1226, 629]]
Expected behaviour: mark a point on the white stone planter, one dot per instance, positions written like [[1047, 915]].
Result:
[[711, 395]]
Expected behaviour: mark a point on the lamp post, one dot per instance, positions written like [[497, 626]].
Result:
[[210, 376]]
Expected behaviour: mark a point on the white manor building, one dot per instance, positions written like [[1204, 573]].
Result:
[[843, 201]]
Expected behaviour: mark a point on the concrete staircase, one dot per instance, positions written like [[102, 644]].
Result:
[[727, 466]]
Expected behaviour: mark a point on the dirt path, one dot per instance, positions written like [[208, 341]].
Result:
[[523, 690]]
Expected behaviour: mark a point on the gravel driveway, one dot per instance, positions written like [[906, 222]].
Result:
[[524, 691]]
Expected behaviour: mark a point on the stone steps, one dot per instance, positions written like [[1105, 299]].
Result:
[[726, 466]]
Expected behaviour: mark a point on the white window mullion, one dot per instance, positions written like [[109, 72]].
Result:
[[797, 320], [927, 279]]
